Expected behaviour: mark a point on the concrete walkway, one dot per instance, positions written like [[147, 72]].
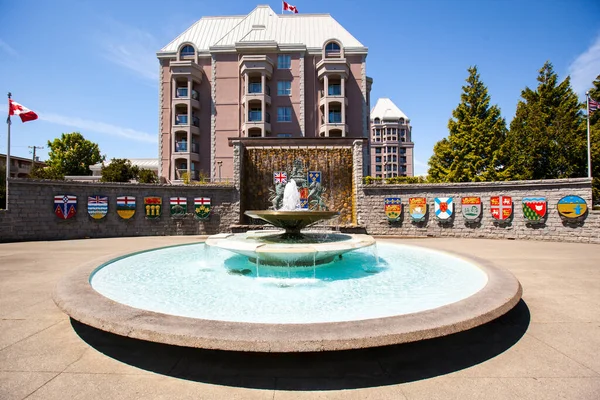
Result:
[[545, 348]]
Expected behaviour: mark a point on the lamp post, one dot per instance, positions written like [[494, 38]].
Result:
[[219, 163]]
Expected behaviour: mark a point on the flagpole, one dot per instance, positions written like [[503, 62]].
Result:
[[8, 123], [589, 152]]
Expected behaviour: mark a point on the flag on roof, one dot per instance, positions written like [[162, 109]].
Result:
[[24, 113], [289, 7]]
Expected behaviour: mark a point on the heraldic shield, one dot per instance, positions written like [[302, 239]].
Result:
[[65, 206], [534, 208], [126, 206], [393, 208], [444, 208], [97, 206], [417, 208], [501, 207], [279, 177], [471, 208], [202, 207], [572, 207], [153, 207], [178, 206]]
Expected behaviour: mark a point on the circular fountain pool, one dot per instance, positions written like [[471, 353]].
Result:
[[201, 296], [198, 281]]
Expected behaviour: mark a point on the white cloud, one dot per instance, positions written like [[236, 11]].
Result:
[[585, 68], [6, 47], [131, 48], [98, 127]]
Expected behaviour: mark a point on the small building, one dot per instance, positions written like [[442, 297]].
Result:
[[20, 167], [390, 141], [141, 163]]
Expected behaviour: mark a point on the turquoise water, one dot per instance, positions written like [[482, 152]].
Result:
[[209, 283]]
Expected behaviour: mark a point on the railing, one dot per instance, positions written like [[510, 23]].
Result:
[[182, 147], [196, 121], [254, 88], [182, 92], [335, 117], [334, 90], [181, 119], [255, 116], [268, 118]]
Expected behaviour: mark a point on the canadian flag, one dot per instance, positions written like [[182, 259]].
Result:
[[24, 113], [289, 7]]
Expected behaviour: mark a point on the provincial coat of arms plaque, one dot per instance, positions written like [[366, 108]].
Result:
[[65, 206], [501, 207], [471, 208], [153, 207], [572, 207], [126, 206], [202, 207], [417, 208], [393, 208], [444, 208], [534, 208], [178, 206], [97, 206]]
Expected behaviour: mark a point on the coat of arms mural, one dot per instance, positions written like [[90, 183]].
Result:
[[501, 207], [444, 208], [308, 183], [202, 207], [65, 206], [393, 208], [471, 208], [126, 206], [534, 208], [97, 206], [153, 207]]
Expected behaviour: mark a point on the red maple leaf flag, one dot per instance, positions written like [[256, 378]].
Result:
[[289, 7], [24, 113]]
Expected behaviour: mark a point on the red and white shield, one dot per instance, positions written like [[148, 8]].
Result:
[[501, 207]]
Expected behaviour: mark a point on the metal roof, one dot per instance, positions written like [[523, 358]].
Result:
[[264, 25], [149, 163], [386, 109]]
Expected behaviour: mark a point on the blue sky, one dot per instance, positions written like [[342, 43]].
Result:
[[90, 66]]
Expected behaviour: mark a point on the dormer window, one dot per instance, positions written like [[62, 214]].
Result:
[[377, 121], [187, 51], [332, 50], [401, 121]]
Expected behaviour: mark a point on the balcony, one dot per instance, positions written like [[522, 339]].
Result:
[[255, 121], [256, 92], [186, 69], [332, 94], [182, 147], [183, 121], [181, 173], [333, 66], [182, 96], [260, 64]]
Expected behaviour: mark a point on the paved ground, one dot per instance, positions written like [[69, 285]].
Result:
[[545, 348]]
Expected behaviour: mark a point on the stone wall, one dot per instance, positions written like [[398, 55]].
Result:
[[30, 214], [372, 216]]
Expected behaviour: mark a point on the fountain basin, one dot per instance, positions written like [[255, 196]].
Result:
[[272, 248], [292, 221]]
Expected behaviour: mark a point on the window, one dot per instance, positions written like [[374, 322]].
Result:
[[284, 61], [284, 135], [332, 49], [378, 150], [378, 159], [284, 88], [376, 121], [186, 51], [401, 121], [335, 117], [378, 168], [335, 89], [284, 114]]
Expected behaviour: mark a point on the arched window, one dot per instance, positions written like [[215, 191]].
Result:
[[377, 121], [186, 51], [332, 49], [401, 121]]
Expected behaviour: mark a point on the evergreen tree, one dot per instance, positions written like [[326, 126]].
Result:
[[472, 151], [595, 142], [546, 139]]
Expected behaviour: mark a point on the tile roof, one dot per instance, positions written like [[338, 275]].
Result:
[[385, 108], [264, 25]]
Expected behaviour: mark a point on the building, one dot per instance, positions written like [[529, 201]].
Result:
[[257, 75], [391, 141], [20, 167], [141, 163]]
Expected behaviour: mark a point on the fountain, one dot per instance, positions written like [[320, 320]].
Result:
[[292, 247], [287, 289]]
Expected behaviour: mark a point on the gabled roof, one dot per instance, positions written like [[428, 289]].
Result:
[[263, 25], [386, 109]]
